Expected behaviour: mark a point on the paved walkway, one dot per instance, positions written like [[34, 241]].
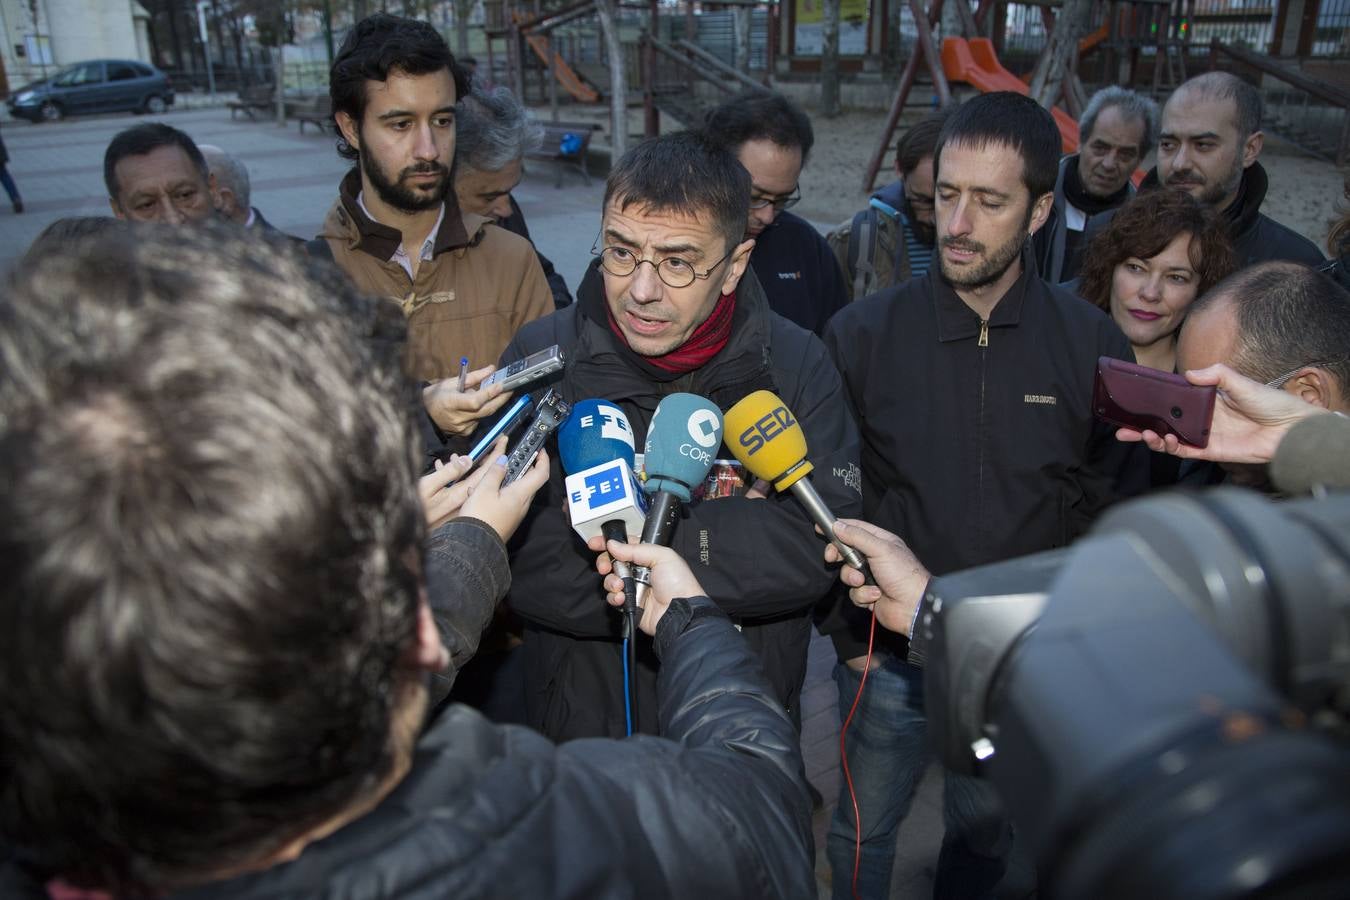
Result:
[[59, 170]]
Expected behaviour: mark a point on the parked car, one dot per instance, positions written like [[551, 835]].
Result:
[[100, 85]]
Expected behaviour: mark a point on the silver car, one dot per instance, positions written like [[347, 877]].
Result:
[[100, 85]]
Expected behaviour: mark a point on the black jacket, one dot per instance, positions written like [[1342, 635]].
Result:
[[1257, 238], [1058, 255], [799, 273], [719, 809], [760, 559], [977, 454]]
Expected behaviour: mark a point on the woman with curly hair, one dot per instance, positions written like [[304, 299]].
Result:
[[1159, 252]]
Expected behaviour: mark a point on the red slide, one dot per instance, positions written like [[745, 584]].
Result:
[[974, 62]]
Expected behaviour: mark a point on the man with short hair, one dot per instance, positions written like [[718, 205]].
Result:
[[156, 173], [670, 306], [216, 624], [396, 228], [1115, 133], [1280, 323], [493, 132], [1209, 146], [232, 185], [891, 241], [972, 387], [772, 138]]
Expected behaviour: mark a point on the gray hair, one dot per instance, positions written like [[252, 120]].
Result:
[[493, 130], [230, 172], [1131, 106], [1227, 86]]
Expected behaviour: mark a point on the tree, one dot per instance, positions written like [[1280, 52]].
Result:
[[618, 79], [1053, 67], [829, 59]]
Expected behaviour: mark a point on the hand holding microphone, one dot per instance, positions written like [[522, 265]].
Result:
[[670, 575], [900, 579], [766, 438]]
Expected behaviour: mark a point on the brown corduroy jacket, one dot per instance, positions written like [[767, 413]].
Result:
[[481, 284]]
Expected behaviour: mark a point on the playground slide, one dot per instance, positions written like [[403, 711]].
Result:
[[567, 76], [974, 62]]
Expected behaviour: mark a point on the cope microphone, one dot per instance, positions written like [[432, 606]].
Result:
[[603, 494], [766, 439], [686, 431]]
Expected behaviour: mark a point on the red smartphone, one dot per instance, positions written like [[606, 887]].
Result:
[[1134, 396]]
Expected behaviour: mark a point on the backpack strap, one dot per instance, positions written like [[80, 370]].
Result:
[[862, 244]]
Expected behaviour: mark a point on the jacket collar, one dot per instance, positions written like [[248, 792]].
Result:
[[383, 241], [957, 322]]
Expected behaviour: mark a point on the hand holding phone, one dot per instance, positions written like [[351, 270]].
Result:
[[1132, 396]]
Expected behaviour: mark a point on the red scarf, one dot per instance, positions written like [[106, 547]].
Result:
[[706, 342]]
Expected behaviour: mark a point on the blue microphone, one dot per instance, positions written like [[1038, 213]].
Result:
[[683, 438], [603, 494]]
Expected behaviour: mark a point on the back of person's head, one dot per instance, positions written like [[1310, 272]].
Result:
[[231, 174], [376, 46], [57, 236], [919, 141], [761, 116], [140, 140], [1143, 228], [211, 551], [1133, 107], [1012, 120], [686, 173], [493, 130], [1288, 316], [1226, 87]]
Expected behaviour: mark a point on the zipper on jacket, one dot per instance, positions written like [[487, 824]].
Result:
[[982, 425], [984, 339]]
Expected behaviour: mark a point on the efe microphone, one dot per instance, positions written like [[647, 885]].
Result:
[[767, 440], [685, 433], [603, 494]]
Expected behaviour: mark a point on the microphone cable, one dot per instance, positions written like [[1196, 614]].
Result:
[[843, 756], [630, 705], [627, 695]]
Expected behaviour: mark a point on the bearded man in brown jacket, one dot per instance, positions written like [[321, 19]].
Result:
[[396, 229]]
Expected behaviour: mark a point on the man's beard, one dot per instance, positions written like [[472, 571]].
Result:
[[1212, 195], [994, 265], [403, 198], [925, 233]]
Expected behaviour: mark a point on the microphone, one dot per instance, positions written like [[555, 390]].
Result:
[[603, 493], [770, 444], [686, 431]]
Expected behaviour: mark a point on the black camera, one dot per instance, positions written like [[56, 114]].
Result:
[[1162, 707]]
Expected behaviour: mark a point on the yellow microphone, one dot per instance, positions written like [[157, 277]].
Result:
[[766, 438]]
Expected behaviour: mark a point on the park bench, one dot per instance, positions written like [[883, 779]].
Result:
[[316, 111], [566, 144], [252, 98]]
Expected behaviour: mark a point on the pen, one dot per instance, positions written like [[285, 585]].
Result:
[[463, 371]]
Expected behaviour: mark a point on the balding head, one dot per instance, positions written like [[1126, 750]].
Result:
[[1210, 135], [231, 182], [1225, 88], [1275, 322]]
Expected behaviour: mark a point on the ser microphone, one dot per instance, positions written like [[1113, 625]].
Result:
[[685, 433], [768, 441], [603, 493]]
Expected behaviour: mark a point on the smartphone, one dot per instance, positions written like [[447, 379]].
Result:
[[507, 424], [1134, 396], [552, 412], [527, 370]]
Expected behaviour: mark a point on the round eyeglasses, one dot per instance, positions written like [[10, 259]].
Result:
[[675, 272]]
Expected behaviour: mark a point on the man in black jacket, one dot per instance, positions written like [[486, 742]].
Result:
[[972, 389], [772, 138], [670, 306], [217, 633], [1209, 146]]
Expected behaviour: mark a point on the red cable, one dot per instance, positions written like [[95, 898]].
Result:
[[843, 757]]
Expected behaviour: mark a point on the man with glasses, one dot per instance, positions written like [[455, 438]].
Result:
[[1281, 323], [891, 241], [772, 138], [670, 304]]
